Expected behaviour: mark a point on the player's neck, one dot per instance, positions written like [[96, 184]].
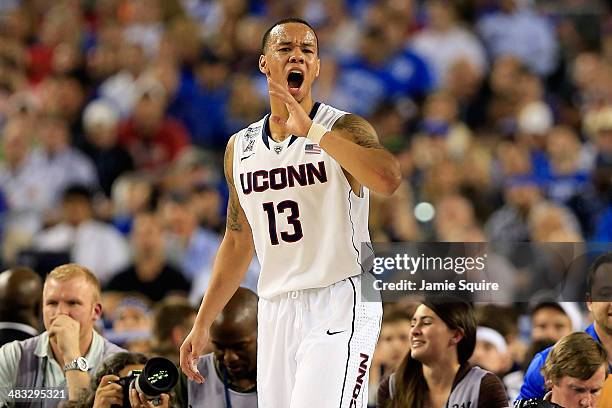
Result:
[[279, 109]]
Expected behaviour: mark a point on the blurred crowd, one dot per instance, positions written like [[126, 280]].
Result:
[[114, 115]]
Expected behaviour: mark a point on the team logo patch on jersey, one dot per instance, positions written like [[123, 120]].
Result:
[[312, 149], [249, 146], [252, 132], [278, 149]]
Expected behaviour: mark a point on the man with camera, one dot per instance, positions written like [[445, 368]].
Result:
[[231, 370], [574, 372], [138, 385], [57, 364]]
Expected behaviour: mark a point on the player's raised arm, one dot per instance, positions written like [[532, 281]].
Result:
[[230, 266], [352, 142]]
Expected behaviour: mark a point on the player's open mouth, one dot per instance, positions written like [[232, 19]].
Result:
[[294, 81]]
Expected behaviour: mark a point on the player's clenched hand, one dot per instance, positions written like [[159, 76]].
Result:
[[298, 122], [109, 393], [190, 353], [65, 331]]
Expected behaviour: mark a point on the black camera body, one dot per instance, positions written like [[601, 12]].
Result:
[[127, 383], [158, 376]]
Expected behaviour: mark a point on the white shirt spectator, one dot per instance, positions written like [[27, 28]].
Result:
[[63, 169], [27, 194], [442, 49], [522, 34], [120, 91], [98, 246]]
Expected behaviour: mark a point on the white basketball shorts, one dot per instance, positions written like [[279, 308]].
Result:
[[315, 347]]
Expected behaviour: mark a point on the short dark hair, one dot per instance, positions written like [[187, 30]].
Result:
[[601, 260], [266, 36], [547, 305], [76, 191]]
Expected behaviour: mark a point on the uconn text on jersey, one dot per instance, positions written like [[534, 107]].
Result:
[[283, 177]]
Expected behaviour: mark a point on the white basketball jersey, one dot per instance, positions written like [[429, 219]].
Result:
[[308, 225]]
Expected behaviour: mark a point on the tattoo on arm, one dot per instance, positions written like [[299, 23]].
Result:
[[359, 129], [233, 221]]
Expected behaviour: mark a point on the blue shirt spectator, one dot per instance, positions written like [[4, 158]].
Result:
[[201, 102], [379, 73], [533, 387]]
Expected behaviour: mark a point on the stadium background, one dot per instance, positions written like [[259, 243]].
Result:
[[500, 113]]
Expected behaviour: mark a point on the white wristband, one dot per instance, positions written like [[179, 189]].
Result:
[[316, 132]]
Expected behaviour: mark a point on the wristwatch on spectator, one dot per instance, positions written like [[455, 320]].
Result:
[[79, 363]]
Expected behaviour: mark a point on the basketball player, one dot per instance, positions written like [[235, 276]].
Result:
[[299, 181]]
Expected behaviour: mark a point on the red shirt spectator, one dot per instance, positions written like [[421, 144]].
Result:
[[153, 139]]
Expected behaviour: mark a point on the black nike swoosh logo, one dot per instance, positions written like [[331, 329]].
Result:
[[242, 158], [336, 332]]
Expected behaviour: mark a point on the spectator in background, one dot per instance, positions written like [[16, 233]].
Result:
[[599, 128], [436, 371], [491, 352], [104, 391], [120, 88], [144, 25], [63, 97], [20, 304], [569, 176], [132, 323], [394, 337], [340, 33], [550, 321], [64, 354], [101, 122], [149, 274], [444, 42], [379, 72], [392, 219], [442, 137], [502, 104], [191, 246], [603, 216], [514, 380], [548, 222], [63, 164], [132, 193], [231, 370], [575, 371], [206, 95], [173, 318], [454, 213], [91, 243], [519, 31], [393, 344], [153, 139], [23, 181], [598, 302], [522, 192]]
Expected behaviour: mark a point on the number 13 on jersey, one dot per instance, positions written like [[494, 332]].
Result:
[[292, 219]]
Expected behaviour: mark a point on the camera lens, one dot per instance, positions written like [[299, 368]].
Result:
[[159, 375]]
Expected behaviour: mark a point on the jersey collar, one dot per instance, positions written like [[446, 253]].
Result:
[[267, 135]]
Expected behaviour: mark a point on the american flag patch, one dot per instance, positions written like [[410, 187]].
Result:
[[312, 149]]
